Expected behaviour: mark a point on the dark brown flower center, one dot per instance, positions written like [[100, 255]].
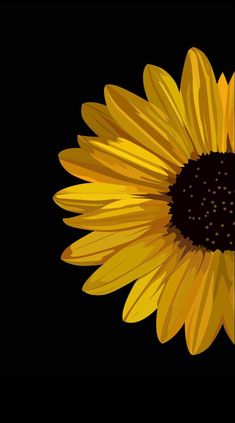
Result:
[[202, 201]]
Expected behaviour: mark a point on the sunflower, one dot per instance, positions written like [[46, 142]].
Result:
[[160, 200]]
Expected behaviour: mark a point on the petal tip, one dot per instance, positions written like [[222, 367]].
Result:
[[109, 89], [55, 198], [162, 335], [62, 155], [66, 255], [197, 54], [126, 316], [194, 50], [193, 351], [147, 68], [194, 348], [88, 289], [86, 106], [129, 318], [162, 338]]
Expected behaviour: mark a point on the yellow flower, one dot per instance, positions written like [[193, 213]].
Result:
[[161, 201]]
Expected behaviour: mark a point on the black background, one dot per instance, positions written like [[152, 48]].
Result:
[[54, 58]]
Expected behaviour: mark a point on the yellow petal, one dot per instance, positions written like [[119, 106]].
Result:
[[205, 319], [96, 247], [85, 197], [143, 298], [98, 118], [177, 296], [122, 214], [163, 92], [130, 263], [202, 102], [82, 165], [229, 268], [144, 122], [127, 159], [229, 309], [223, 90], [231, 112], [229, 316]]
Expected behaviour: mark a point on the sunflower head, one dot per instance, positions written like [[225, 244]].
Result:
[[158, 198]]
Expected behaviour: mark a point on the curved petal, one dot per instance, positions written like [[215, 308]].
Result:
[[85, 197], [84, 166], [223, 90], [202, 102], [80, 164], [143, 297], [126, 158], [228, 315], [229, 268], [231, 113], [177, 296], [229, 309], [122, 214], [205, 319], [130, 263], [162, 91], [96, 247], [150, 127], [98, 118]]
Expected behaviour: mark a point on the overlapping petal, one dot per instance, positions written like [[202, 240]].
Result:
[[163, 92], [130, 263], [139, 149], [223, 90], [144, 296], [231, 113], [122, 214], [83, 165], [85, 197], [96, 247], [202, 102], [206, 316], [126, 158], [101, 121], [143, 121]]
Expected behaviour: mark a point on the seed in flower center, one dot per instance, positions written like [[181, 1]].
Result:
[[206, 187]]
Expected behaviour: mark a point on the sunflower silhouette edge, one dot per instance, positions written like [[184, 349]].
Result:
[[158, 196]]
